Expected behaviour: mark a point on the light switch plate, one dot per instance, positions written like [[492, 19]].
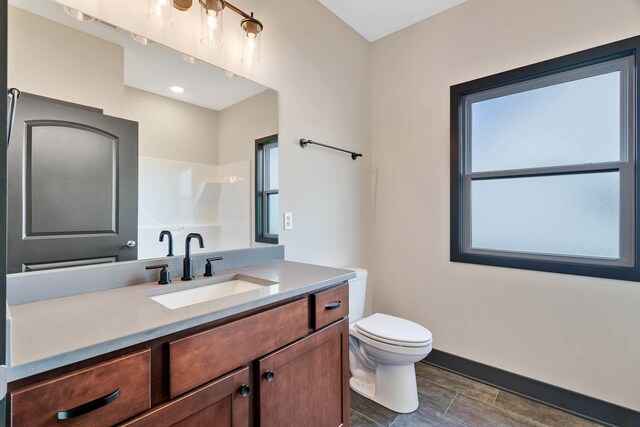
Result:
[[288, 221]]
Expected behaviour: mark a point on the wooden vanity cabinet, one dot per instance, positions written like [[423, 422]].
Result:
[[306, 383], [283, 365]]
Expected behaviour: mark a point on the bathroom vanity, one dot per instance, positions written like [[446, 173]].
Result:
[[268, 357]]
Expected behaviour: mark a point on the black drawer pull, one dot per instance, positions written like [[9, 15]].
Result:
[[333, 305], [89, 406], [269, 376]]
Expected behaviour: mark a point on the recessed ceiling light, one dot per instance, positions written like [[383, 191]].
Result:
[[190, 59], [142, 39], [76, 14], [177, 89]]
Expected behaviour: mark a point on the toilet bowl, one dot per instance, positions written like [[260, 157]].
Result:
[[382, 352]]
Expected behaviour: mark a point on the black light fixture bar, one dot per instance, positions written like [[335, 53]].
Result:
[[304, 142]]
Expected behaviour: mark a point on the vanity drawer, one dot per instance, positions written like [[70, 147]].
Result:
[[223, 402], [330, 305], [101, 395], [199, 358]]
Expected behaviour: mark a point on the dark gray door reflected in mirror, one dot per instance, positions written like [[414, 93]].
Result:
[[73, 186]]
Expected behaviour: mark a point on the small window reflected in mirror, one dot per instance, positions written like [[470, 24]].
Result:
[[267, 206]]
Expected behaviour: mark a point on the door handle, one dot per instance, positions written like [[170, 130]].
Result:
[[129, 244]]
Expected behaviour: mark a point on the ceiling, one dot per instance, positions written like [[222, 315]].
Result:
[[155, 68], [375, 19]]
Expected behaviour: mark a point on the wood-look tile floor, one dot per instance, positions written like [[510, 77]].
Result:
[[447, 399]]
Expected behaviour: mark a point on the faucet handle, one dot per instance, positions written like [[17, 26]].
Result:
[[165, 274], [208, 268]]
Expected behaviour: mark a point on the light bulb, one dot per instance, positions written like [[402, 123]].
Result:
[[159, 13], [251, 42], [251, 49], [212, 21], [211, 24]]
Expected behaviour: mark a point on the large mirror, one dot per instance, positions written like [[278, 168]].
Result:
[[116, 139]]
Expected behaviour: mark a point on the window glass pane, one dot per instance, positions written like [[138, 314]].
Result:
[[273, 168], [272, 214], [569, 123], [563, 214]]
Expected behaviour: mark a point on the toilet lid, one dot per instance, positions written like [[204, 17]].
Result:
[[394, 330]]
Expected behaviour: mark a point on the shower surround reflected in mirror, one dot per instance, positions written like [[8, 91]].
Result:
[[197, 127]]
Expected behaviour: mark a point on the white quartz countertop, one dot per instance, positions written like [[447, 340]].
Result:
[[52, 333]]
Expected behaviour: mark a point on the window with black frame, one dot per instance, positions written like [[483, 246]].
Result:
[[543, 165], [267, 207]]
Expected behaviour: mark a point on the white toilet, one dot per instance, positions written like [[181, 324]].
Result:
[[382, 352]]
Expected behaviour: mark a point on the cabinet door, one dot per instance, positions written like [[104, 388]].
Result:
[[306, 383], [221, 403]]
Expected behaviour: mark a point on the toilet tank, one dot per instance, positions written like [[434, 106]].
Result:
[[357, 293]]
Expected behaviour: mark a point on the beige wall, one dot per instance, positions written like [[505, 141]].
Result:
[[38, 65], [575, 332], [243, 123], [171, 129], [240, 126], [322, 74]]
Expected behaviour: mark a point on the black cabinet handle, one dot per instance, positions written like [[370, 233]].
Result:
[[333, 305], [89, 406], [269, 375], [244, 390]]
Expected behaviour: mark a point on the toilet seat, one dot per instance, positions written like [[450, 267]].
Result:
[[393, 331]]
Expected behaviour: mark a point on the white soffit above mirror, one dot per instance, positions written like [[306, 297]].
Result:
[[375, 19], [155, 68]]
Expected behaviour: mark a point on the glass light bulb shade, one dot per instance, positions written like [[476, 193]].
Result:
[[211, 27], [159, 13], [251, 48]]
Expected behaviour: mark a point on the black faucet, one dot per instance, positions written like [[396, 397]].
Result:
[[187, 264], [167, 233]]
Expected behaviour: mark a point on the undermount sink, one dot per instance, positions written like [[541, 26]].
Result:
[[211, 289]]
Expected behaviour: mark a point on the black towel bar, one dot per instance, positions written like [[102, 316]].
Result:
[[305, 142]]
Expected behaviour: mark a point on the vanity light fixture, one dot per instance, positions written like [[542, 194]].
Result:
[[211, 12], [78, 15], [177, 89]]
